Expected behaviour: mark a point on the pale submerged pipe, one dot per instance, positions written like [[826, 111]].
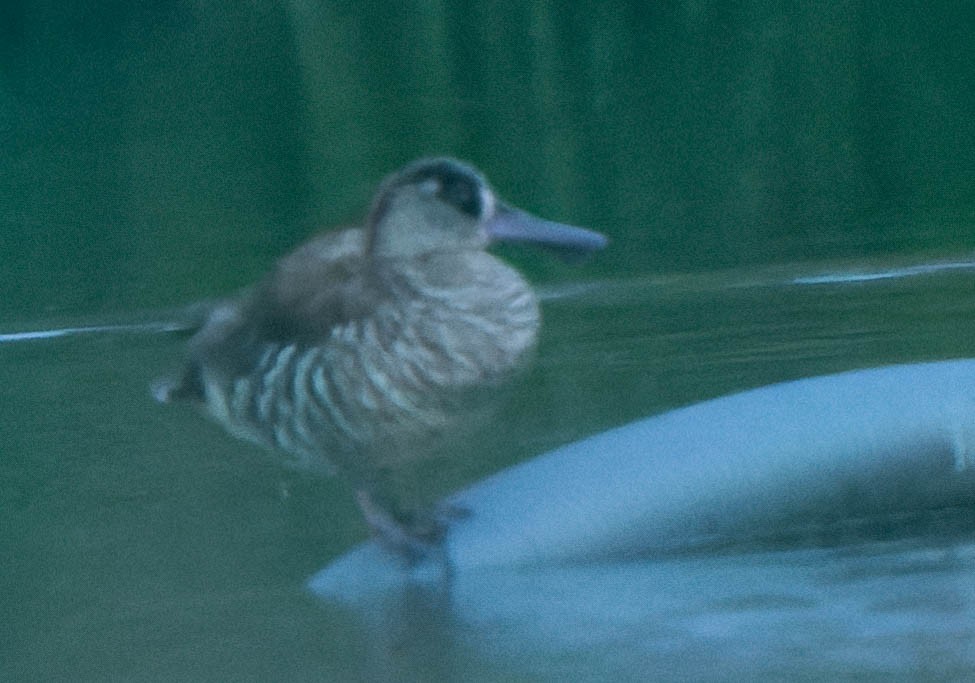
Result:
[[758, 464]]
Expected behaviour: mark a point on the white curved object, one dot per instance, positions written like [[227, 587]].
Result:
[[763, 463]]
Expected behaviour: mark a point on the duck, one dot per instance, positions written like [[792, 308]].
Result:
[[362, 351]]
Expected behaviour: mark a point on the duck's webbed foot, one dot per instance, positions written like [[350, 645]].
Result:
[[413, 535]]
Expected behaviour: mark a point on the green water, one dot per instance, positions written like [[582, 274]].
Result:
[[155, 156]]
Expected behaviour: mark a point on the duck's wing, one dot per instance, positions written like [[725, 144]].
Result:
[[320, 286], [313, 290]]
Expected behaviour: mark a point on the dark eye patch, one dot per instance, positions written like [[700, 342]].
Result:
[[457, 187], [463, 193]]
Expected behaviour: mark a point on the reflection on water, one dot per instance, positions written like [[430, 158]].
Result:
[[816, 614], [141, 542]]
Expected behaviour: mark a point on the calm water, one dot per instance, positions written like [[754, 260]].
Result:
[[153, 157], [140, 542]]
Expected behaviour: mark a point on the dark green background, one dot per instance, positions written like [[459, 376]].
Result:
[[153, 154]]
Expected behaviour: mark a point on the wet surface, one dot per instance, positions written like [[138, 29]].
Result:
[[140, 541]]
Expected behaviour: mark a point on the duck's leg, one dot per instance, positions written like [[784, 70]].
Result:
[[411, 536]]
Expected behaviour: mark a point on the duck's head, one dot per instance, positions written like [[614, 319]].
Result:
[[441, 204]]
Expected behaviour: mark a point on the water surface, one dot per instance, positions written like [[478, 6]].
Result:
[[142, 542]]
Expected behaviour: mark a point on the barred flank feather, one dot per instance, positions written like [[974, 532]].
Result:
[[383, 388]]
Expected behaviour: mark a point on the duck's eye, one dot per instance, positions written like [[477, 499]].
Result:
[[461, 193], [451, 184]]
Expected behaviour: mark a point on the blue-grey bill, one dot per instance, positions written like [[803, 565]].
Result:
[[514, 225]]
